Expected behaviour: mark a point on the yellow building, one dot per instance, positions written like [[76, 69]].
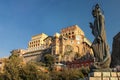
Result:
[[69, 43], [87, 47], [72, 32], [55, 44], [74, 36], [37, 42], [64, 46]]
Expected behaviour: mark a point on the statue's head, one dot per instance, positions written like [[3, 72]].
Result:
[[97, 6], [96, 10]]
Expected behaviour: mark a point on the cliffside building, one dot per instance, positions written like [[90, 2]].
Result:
[[67, 45], [37, 42], [71, 42]]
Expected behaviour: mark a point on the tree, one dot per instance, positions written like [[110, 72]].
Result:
[[77, 55], [32, 72], [67, 74], [68, 54], [49, 60], [15, 70], [85, 71], [11, 68], [68, 49]]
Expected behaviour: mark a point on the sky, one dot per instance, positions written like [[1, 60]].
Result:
[[21, 19]]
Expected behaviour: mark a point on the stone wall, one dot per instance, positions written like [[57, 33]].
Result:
[[32, 57]]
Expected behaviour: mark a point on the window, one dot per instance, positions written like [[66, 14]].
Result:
[[53, 51], [73, 37], [69, 36]]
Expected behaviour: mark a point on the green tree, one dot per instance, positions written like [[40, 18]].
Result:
[[67, 74], [31, 72], [49, 60], [11, 68], [68, 49], [77, 55], [85, 71], [15, 70], [72, 74]]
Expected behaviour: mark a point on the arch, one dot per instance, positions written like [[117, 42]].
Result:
[[77, 49]]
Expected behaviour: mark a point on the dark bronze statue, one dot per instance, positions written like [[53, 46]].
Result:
[[99, 45]]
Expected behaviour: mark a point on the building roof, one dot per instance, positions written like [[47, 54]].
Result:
[[38, 35], [73, 27], [117, 36]]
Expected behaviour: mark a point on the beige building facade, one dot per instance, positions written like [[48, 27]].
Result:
[[37, 42], [64, 46], [69, 43], [35, 48]]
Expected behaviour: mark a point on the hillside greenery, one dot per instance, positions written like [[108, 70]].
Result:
[[16, 69]]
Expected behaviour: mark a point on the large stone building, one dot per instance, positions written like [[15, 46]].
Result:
[[115, 56], [37, 42], [67, 45], [71, 42], [36, 47]]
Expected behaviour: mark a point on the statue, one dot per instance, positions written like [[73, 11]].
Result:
[[99, 45]]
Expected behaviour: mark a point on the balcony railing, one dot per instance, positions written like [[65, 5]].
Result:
[[43, 47]]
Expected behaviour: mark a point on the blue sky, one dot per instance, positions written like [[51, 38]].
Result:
[[21, 19]]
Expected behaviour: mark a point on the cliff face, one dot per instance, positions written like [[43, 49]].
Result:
[[115, 56]]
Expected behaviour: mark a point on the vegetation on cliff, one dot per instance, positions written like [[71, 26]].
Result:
[[16, 69]]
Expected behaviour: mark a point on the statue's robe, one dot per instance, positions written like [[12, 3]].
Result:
[[99, 44]]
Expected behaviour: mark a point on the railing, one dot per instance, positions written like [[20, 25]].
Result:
[[37, 48], [32, 54]]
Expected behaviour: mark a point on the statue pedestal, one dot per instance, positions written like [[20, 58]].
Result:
[[102, 70], [102, 75]]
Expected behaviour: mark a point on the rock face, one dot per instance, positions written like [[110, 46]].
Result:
[[115, 56]]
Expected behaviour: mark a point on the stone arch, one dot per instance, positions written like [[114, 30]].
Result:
[[77, 49]]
